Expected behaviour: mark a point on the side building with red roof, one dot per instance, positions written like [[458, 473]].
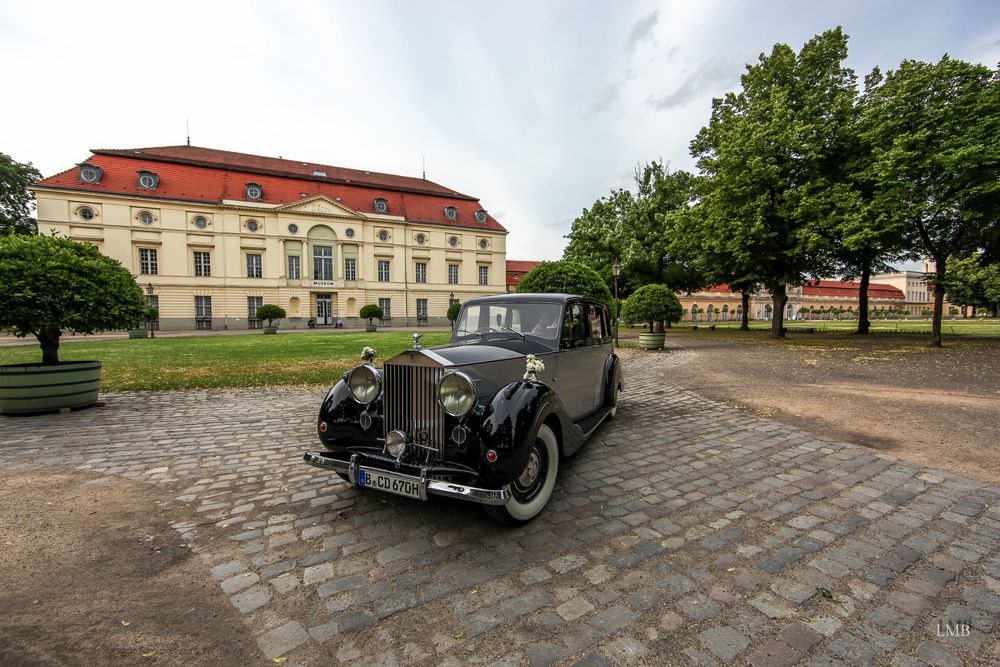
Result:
[[212, 235], [516, 269], [817, 299]]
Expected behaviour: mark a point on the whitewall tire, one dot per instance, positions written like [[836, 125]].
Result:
[[531, 491]]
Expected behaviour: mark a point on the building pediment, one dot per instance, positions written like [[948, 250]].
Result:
[[320, 205]]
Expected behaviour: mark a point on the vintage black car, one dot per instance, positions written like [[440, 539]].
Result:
[[478, 419]]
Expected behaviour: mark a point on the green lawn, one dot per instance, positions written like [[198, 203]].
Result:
[[971, 327], [225, 361]]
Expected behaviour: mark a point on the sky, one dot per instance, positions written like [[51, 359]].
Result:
[[536, 107]]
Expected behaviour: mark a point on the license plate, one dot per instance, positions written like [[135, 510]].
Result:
[[401, 486]]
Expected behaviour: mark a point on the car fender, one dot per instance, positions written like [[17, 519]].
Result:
[[510, 423], [612, 376], [342, 413]]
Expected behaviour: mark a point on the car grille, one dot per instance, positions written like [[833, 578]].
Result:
[[411, 405]]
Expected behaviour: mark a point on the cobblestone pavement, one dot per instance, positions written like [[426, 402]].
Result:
[[683, 533]]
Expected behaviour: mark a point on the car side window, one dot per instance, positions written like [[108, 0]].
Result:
[[598, 330], [574, 331]]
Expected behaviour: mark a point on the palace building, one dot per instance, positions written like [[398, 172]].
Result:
[[212, 235]]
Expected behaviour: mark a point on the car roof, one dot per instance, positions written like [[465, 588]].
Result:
[[528, 297]]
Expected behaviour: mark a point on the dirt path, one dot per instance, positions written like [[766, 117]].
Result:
[[92, 573], [939, 408]]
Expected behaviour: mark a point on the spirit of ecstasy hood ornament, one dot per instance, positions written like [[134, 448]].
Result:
[[416, 341]]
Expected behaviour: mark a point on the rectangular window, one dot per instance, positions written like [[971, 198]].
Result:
[[253, 303], [453, 274], [147, 261], [322, 262], [422, 308], [421, 272], [202, 263], [203, 312], [383, 270], [294, 267], [254, 266], [484, 275], [386, 306], [350, 268]]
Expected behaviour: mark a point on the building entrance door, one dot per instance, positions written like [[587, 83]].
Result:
[[324, 309]]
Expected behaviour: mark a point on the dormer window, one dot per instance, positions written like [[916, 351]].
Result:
[[90, 173], [148, 180], [381, 204], [254, 191], [481, 216], [450, 212]]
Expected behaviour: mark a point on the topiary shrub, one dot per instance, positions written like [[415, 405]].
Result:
[[371, 312], [270, 312], [652, 303], [50, 284], [566, 277], [453, 311]]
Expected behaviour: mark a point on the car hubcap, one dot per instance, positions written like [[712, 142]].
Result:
[[530, 482]]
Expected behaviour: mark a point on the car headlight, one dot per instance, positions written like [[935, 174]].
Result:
[[364, 384], [456, 394]]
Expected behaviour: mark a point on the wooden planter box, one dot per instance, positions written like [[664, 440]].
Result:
[[27, 389]]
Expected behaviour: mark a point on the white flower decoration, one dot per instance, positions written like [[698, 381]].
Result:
[[533, 367], [368, 355]]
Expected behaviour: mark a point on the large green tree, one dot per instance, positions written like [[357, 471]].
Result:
[[566, 277], [934, 130], [774, 153], [971, 282], [15, 197]]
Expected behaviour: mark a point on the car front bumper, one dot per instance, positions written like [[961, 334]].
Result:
[[427, 486]]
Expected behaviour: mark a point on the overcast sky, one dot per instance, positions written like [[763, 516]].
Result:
[[537, 108]]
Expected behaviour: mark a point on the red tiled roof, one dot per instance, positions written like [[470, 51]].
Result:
[[203, 174], [516, 269], [850, 289]]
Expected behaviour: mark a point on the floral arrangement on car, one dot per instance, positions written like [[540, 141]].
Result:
[[368, 355], [533, 367]]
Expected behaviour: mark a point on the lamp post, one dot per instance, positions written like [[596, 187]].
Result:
[[616, 269], [149, 295]]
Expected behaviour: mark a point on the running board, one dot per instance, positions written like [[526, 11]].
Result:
[[590, 424]]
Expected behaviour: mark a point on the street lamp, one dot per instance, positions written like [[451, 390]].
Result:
[[616, 269], [149, 295]]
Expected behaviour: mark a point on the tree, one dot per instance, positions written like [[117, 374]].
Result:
[[270, 312], [971, 283], [936, 161], [773, 153], [566, 277], [652, 303], [371, 312], [453, 311], [51, 284], [15, 197]]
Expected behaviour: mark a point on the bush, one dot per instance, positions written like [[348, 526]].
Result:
[[453, 311], [270, 312], [371, 312], [50, 284], [566, 277], [652, 303]]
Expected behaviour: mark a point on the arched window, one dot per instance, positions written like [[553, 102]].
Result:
[[694, 313], [767, 312], [739, 312], [725, 313], [788, 314], [709, 311]]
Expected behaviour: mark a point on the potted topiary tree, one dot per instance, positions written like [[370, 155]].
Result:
[[371, 312], [50, 285], [453, 311], [652, 303], [270, 312]]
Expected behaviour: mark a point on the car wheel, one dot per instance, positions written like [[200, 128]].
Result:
[[530, 492]]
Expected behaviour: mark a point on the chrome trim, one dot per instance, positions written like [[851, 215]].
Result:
[[410, 405], [434, 356], [378, 383], [468, 379], [430, 486]]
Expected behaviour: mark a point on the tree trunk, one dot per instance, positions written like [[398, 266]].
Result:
[[866, 275], [48, 338], [779, 297], [745, 300], [939, 266]]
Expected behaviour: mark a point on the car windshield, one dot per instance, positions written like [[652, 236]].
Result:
[[521, 319]]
